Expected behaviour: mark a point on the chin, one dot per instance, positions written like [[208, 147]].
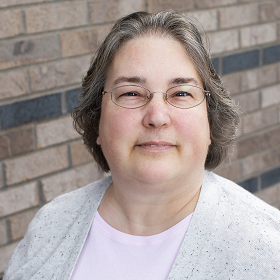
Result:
[[158, 175]]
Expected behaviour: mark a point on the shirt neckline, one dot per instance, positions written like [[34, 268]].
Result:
[[140, 240]]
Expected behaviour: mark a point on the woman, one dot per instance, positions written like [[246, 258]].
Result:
[[155, 114]]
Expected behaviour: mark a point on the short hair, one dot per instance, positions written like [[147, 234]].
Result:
[[223, 113]]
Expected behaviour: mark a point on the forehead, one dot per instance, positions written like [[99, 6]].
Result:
[[152, 57], [151, 46]]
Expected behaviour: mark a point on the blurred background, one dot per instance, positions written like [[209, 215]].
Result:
[[45, 50]]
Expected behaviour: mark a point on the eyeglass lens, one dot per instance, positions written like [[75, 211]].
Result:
[[182, 96]]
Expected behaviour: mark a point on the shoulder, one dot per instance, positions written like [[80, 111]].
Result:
[[247, 221], [55, 228], [64, 209], [242, 230], [234, 196]]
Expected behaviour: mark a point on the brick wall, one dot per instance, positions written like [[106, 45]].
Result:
[[45, 49]]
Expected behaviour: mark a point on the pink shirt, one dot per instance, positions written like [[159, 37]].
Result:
[[111, 254]]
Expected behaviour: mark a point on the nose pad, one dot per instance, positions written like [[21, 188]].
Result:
[[157, 114], [150, 97], [164, 96]]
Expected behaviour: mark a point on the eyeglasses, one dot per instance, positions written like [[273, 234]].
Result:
[[182, 96]]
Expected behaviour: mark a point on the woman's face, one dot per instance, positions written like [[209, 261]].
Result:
[[156, 143]]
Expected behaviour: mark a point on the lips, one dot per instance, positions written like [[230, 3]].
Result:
[[156, 144]]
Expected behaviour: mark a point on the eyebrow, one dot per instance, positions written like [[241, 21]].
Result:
[[139, 80], [183, 80], [134, 79]]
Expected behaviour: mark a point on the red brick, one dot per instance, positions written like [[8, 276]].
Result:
[[252, 79], [79, 153], [260, 119], [36, 164], [20, 222], [270, 195], [248, 1], [248, 101], [5, 255], [224, 41], [69, 180], [251, 164], [82, 41], [258, 34], [111, 10], [13, 83], [238, 15], [231, 172], [247, 146], [208, 19], [270, 96], [1, 177], [10, 23], [27, 51], [7, 3], [21, 141], [270, 11], [16, 142], [4, 146], [271, 138], [56, 16], [3, 232], [276, 204], [214, 3], [260, 162], [59, 73], [18, 199], [56, 131], [268, 74], [176, 5], [271, 158], [232, 82]]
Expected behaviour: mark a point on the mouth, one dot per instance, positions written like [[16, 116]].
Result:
[[153, 145]]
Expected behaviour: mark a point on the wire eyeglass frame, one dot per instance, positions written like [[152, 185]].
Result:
[[149, 97]]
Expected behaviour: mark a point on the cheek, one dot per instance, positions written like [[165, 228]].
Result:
[[117, 137], [194, 128], [115, 127]]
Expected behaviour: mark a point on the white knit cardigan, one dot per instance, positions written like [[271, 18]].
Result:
[[232, 235]]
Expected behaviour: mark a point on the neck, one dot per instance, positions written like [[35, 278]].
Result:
[[139, 208]]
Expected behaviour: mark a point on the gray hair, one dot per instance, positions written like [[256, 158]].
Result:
[[223, 113]]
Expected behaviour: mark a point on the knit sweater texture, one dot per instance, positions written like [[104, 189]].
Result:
[[232, 235]]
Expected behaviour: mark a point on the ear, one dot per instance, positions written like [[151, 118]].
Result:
[[98, 141]]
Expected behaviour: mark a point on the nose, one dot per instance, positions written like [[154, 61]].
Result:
[[156, 111]]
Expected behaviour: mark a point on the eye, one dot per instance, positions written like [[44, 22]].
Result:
[[130, 93], [181, 94]]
